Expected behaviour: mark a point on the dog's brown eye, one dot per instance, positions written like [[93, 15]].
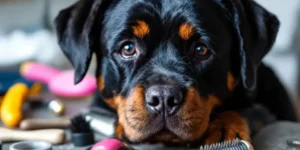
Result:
[[201, 49], [128, 49]]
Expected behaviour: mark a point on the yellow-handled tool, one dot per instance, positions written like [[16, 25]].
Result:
[[11, 107]]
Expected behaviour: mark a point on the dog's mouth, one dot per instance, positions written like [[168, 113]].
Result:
[[175, 128], [165, 135], [188, 124]]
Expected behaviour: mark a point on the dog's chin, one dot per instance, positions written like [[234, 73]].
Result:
[[165, 136], [157, 135]]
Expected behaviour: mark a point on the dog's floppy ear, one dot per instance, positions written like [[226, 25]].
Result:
[[78, 28], [256, 30]]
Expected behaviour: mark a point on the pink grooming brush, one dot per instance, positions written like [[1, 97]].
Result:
[[109, 144], [60, 83]]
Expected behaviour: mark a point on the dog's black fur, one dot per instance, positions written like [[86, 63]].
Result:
[[238, 34]]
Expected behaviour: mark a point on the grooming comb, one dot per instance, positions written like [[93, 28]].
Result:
[[229, 145]]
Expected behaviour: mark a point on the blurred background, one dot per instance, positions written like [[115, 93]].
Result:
[[26, 35]]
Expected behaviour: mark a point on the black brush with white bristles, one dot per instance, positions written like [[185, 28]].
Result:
[[81, 133]]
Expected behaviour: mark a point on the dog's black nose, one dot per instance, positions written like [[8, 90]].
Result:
[[166, 98]]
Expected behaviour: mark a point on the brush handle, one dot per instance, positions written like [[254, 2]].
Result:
[[54, 136], [32, 124], [38, 72], [11, 107]]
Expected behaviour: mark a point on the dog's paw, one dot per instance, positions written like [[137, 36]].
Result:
[[227, 127]]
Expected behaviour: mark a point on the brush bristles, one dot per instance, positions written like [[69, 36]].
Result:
[[80, 125], [227, 145]]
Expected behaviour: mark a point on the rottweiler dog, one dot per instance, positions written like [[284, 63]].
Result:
[[176, 71]]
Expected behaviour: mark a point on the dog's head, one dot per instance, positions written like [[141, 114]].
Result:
[[163, 65]]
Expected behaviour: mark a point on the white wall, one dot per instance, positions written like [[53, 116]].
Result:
[[281, 58], [287, 11]]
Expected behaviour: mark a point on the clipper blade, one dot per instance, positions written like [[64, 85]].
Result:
[[236, 144]]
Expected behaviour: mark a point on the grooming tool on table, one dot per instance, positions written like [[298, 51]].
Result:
[[57, 107], [60, 83], [31, 145], [54, 136], [81, 133], [11, 107], [229, 145], [109, 144], [114, 144], [101, 121], [33, 124], [293, 144]]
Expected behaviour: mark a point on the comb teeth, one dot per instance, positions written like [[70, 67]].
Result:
[[227, 145]]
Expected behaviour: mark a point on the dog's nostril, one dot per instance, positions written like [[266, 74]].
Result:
[[172, 102], [154, 102]]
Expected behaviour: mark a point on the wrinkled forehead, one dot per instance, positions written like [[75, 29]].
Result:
[[203, 17]]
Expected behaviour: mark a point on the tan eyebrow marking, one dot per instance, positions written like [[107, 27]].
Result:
[[141, 29], [186, 31], [230, 82]]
